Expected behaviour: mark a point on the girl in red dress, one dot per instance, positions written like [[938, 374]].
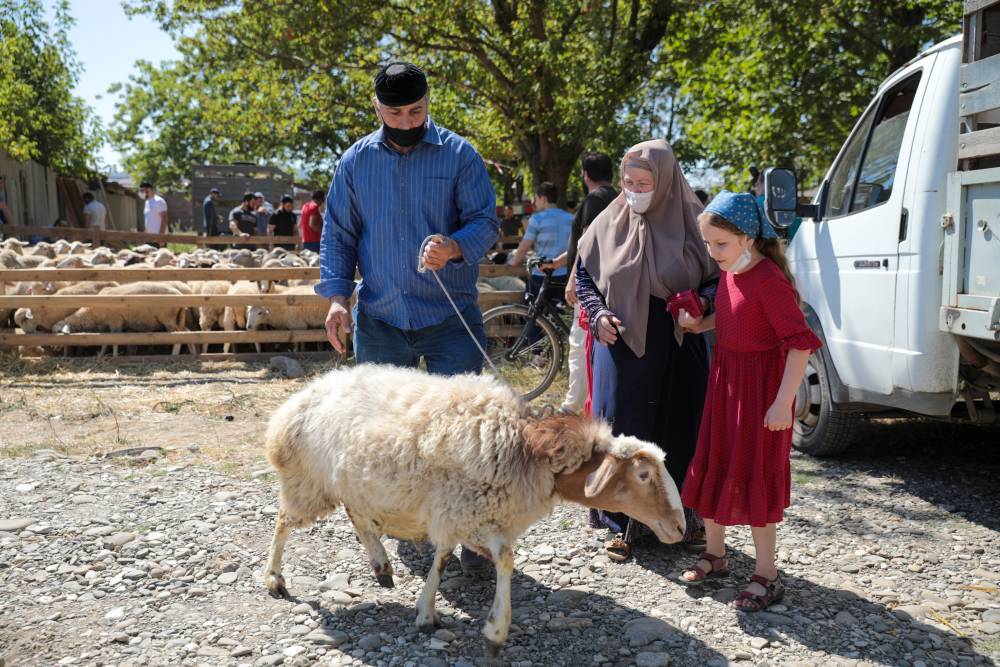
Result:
[[740, 471]]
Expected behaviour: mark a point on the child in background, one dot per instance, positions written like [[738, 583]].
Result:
[[740, 471]]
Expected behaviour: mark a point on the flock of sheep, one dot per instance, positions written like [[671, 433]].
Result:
[[15, 254]]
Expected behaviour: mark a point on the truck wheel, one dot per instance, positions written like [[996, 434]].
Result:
[[820, 429]]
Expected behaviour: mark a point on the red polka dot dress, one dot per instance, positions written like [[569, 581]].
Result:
[[740, 471]]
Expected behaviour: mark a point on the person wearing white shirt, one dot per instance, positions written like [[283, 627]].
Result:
[[155, 209], [94, 212]]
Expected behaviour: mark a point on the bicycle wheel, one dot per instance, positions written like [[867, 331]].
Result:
[[533, 366]]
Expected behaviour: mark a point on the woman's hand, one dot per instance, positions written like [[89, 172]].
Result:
[[688, 322], [607, 331], [779, 416]]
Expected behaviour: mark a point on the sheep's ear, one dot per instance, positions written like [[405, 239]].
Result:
[[28, 315], [559, 439], [597, 480]]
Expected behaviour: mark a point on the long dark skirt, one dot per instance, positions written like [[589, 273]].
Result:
[[658, 398]]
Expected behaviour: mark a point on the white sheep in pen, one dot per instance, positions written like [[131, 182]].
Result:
[[455, 460]]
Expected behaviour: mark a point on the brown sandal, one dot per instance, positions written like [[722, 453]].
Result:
[[618, 549], [719, 567], [774, 591]]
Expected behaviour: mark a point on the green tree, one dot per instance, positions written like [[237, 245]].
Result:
[[40, 118], [532, 83], [783, 83]]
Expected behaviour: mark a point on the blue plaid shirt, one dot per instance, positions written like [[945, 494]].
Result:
[[382, 205]]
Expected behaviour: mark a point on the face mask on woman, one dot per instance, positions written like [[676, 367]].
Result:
[[638, 201]]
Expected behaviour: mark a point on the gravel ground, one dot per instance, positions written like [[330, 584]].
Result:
[[891, 556]]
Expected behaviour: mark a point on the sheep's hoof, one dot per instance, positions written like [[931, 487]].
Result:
[[385, 580], [428, 628], [276, 586], [491, 649]]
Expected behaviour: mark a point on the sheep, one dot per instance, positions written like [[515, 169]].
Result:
[[163, 257], [35, 320], [454, 460], [236, 318], [127, 317], [14, 245], [10, 259], [510, 283], [44, 250], [305, 316], [211, 316]]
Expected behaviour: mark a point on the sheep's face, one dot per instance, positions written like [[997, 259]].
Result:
[[256, 316], [24, 318], [613, 473], [632, 479]]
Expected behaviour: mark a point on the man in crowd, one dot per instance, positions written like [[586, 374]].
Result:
[[596, 176], [312, 221], [211, 216], [243, 220], [262, 210], [154, 210], [548, 233], [283, 222], [94, 212], [408, 181], [6, 217]]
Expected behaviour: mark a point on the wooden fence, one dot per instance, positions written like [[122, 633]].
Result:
[[13, 339]]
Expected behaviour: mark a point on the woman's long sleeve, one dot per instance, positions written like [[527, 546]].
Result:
[[591, 300]]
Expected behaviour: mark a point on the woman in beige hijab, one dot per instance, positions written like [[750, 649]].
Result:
[[649, 377]]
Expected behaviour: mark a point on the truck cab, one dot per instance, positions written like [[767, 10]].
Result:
[[870, 265]]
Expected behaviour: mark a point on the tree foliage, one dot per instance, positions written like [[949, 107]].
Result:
[[532, 83], [783, 83], [40, 118]]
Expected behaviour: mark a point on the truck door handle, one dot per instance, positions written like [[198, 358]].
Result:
[[870, 263]]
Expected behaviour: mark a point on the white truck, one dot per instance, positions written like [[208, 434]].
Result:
[[898, 258]]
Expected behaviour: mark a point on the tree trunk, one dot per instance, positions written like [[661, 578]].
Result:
[[550, 162]]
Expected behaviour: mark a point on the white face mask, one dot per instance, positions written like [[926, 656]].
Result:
[[638, 201], [742, 262]]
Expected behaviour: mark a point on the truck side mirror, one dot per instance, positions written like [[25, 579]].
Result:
[[781, 197], [781, 201]]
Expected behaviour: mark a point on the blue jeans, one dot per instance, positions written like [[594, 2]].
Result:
[[446, 347]]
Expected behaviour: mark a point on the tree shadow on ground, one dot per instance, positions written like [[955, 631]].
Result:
[[548, 627], [951, 466], [811, 615]]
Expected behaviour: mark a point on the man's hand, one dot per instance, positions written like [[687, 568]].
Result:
[[571, 291], [439, 251], [245, 235], [338, 323], [607, 329]]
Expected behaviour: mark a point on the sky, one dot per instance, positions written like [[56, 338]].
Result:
[[107, 44]]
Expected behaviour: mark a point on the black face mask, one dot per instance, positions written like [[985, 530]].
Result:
[[404, 138]]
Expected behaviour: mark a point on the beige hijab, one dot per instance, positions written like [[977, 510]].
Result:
[[631, 256]]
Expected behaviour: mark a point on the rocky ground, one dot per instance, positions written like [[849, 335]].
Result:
[[891, 556]]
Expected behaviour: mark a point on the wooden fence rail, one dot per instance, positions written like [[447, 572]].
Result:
[[487, 299], [198, 300], [228, 273]]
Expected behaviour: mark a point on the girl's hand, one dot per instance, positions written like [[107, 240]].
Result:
[[687, 322], [607, 332], [778, 417]]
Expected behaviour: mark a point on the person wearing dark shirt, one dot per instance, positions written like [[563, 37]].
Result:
[[208, 211], [283, 222], [596, 176], [243, 221]]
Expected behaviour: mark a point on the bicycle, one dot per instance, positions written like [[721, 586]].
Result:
[[526, 342]]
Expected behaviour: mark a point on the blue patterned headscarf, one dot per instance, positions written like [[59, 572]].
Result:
[[744, 211]]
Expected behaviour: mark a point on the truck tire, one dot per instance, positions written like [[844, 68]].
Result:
[[820, 429]]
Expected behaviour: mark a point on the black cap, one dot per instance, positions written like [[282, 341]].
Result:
[[286, 199], [398, 84]]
